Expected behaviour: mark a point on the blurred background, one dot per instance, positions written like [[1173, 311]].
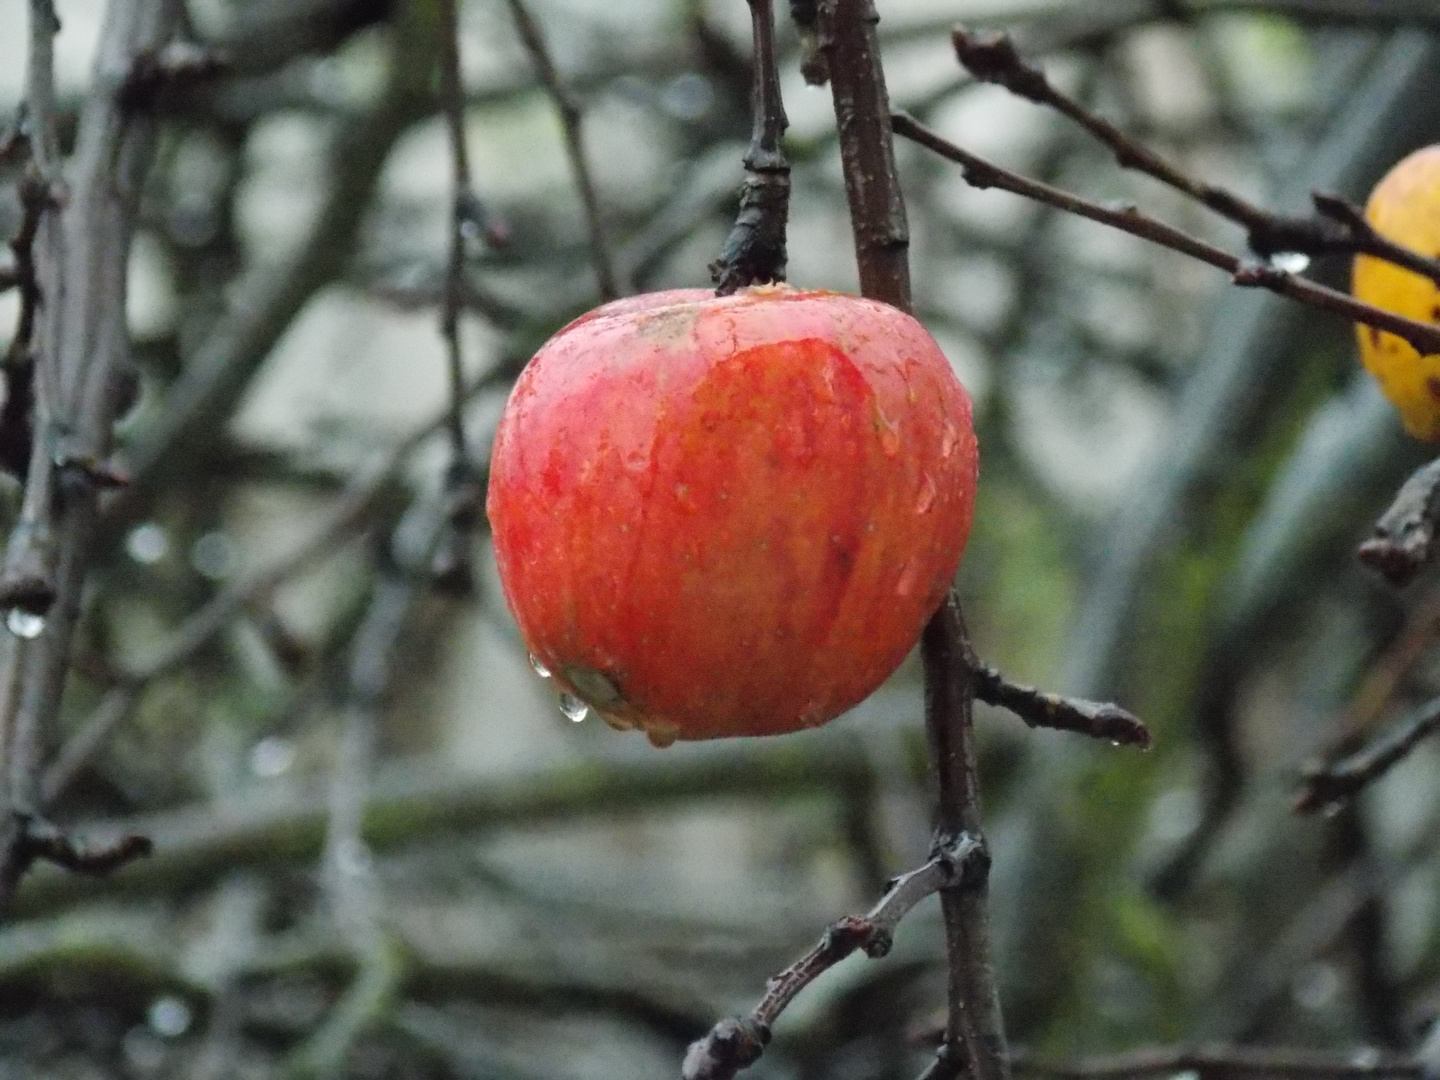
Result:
[[1175, 475]]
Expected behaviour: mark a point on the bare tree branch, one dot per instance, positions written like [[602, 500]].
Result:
[[981, 173], [734, 1044], [975, 1036], [1339, 227], [1040, 709], [571, 121], [81, 348]]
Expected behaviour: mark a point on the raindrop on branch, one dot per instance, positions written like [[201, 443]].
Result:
[[540, 669], [25, 624], [573, 707], [1292, 262]]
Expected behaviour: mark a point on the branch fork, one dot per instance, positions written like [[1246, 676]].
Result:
[[737, 1042]]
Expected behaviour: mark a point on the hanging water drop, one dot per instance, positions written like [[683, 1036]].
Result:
[[573, 707], [540, 669], [25, 624]]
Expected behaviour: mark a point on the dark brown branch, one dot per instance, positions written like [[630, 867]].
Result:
[[867, 149], [975, 1032], [734, 1044], [754, 252], [570, 123], [1040, 709], [1404, 540], [980, 173], [1338, 227], [974, 1043], [1327, 786], [1217, 1062]]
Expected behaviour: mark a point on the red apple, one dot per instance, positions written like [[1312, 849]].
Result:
[[720, 516]]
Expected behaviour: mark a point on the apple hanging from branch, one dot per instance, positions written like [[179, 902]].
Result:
[[721, 516]]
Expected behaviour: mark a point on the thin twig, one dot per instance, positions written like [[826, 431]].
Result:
[[571, 120], [462, 221], [1327, 786], [734, 1044], [1404, 540], [1339, 227], [980, 173], [1040, 709], [974, 1043], [113, 710]]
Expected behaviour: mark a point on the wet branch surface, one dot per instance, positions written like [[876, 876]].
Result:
[[733, 1044], [1338, 227], [1041, 709], [80, 254], [980, 173], [975, 1037], [754, 252]]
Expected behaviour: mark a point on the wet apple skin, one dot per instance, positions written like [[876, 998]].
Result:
[[737, 512]]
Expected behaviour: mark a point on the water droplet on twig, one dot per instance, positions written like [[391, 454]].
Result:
[[573, 707], [1292, 262], [540, 669], [24, 624]]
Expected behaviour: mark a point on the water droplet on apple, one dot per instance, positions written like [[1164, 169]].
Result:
[[662, 735], [926, 499], [540, 669], [596, 686], [573, 707], [948, 439], [24, 624]]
